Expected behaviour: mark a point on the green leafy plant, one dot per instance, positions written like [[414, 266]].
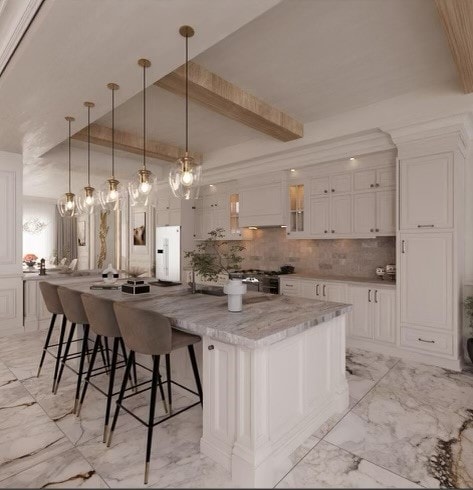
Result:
[[213, 256], [468, 305]]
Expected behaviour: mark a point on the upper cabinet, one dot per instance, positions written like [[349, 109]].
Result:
[[374, 179], [426, 192], [297, 223], [168, 209], [261, 205]]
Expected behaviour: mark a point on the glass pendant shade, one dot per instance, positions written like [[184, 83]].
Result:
[[142, 188], [87, 201], [184, 178], [67, 203], [112, 195]]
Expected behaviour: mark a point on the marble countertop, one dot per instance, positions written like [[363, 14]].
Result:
[[369, 281], [265, 319], [58, 276]]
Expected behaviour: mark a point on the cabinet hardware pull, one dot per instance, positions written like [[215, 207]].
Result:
[[371, 229], [325, 231], [325, 191], [427, 341], [289, 285], [425, 226], [193, 207], [377, 185], [323, 290], [376, 296], [377, 229], [333, 190], [371, 185], [403, 246], [317, 289], [369, 295], [333, 231], [211, 347]]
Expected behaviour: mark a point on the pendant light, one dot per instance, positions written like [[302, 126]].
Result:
[[112, 194], [67, 204], [184, 177], [142, 187], [87, 201]]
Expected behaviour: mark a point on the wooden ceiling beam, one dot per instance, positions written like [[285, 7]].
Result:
[[457, 21], [219, 95], [102, 135]]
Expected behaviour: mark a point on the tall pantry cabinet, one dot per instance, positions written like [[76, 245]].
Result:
[[430, 248]]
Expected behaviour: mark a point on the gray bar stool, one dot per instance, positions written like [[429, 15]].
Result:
[[54, 306], [150, 333], [74, 310], [103, 323]]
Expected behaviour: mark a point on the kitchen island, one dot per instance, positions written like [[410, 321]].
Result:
[[272, 374]]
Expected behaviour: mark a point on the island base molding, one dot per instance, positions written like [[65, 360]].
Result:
[[262, 404]]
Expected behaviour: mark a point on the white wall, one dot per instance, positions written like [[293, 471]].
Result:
[[42, 244]]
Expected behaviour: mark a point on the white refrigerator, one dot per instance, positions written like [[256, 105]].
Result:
[[168, 253]]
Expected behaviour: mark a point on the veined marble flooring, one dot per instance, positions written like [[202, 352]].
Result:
[[408, 425]]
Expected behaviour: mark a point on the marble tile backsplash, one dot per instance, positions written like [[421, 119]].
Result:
[[270, 249]]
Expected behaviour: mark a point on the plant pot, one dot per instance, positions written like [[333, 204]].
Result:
[[469, 348], [235, 289]]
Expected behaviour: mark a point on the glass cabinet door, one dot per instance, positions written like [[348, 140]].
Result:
[[235, 214], [296, 208]]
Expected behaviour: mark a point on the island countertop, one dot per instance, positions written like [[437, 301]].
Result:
[[265, 319]]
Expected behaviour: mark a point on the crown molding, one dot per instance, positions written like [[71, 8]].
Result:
[[330, 150], [15, 18], [446, 133]]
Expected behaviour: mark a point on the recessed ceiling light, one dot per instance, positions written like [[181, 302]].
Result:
[[283, 226], [293, 169], [211, 185], [252, 227], [352, 158]]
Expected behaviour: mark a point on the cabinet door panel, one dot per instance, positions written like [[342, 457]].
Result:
[[384, 318], [319, 186], [335, 291], [308, 289], [364, 213], [364, 180], [360, 324], [320, 216], [427, 192], [386, 211], [386, 177], [340, 215], [340, 183], [426, 280]]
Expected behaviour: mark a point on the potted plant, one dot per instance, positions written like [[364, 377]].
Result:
[[213, 256], [468, 304]]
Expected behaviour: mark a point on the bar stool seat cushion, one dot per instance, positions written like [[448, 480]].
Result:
[[72, 304], [51, 297]]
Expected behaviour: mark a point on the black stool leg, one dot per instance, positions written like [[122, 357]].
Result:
[[46, 343], [161, 389], [106, 366], [59, 350], [107, 350], [110, 387], [168, 379], [66, 352], [89, 374], [125, 357], [131, 359], [152, 406], [85, 341], [196, 370]]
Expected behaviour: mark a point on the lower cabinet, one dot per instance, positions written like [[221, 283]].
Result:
[[373, 315], [313, 289]]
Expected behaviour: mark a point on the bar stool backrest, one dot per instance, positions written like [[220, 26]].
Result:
[[144, 331], [51, 297], [72, 305], [101, 315]]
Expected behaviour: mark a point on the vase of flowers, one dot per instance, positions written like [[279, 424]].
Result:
[[30, 260]]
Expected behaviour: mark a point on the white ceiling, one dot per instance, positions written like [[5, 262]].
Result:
[[314, 59]]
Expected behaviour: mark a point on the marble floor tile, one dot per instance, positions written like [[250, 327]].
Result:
[[364, 369], [327, 466], [6, 376], [28, 436], [66, 470], [417, 423], [328, 425]]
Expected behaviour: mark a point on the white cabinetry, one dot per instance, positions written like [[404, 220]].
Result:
[[374, 213], [340, 215], [426, 191], [261, 205], [374, 178], [168, 209], [373, 316], [426, 280]]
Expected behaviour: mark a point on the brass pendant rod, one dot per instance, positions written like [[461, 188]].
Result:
[[69, 145], [113, 134], [88, 146], [144, 116], [187, 94]]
